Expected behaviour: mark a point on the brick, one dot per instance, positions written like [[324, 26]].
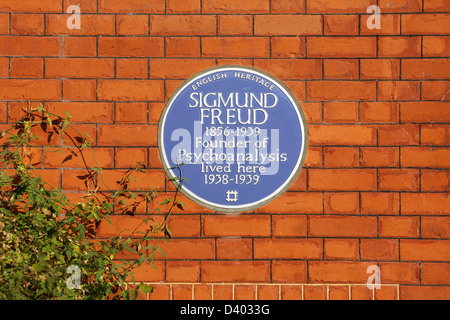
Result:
[[178, 68], [341, 25], [435, 5], [235, 25], [390, 25], [288, 25], [340, 112], [399, 90], [435, 273], [436, 46], [3, 115], [26, 68], [183, 25], [341, 203], [288, 47], [425, 203], [147, 272], [160, 292], [423, 157], [343, 135], [245, 226], [130, 47], [130, 90], [339, 293], [289, 271], [4, 23], [235, 6], [182, 47], [183, 249], [182, 6], [132, 68], [223, 292], [124, 225], [182, 292], [80, 47], [298, 88], [399, 46], [131, 112], [129, 157], [313, 158], [87, 6], [342, 180], [425, 111], [312, 111], [399, 227], [288, 248], [139, 6], [338, 272], [341, 157], [185, 226], [30, 46], [426, 23], [342, 226], [234, 249], [183, 271], [379, 249], [380, 69], [79, 90], [27, 24], [341, 90], [380, 203], [402, 6], [425, 69], [338, 6], [236, 47], [341, 249], [393, 135], [292, 292], [65, 159], [244, 292], [79, 68], [24, 89], [289, 6], [127, 25], [379, 112], [31, 6], [435, 180], [289, 226], [425, 250], [127, 135], [360, 293], [92, 24], [436, 90], [88, 112], [341, 69], [235, 271], [268, 292], [395, 273], [202, 292], [315, 292], [386, 293], [291, 69], [341, 47], [424, 293], [290, 203]]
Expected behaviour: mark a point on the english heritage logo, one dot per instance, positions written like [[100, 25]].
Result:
[[239, 135]]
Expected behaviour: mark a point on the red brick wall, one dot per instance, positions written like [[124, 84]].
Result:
[[374, 188]]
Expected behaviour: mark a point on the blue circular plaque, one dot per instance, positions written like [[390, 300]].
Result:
[[237, 135]]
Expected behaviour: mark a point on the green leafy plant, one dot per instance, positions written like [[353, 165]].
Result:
[[44, 235]]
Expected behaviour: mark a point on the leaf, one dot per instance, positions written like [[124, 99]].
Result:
[[145, 288]]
